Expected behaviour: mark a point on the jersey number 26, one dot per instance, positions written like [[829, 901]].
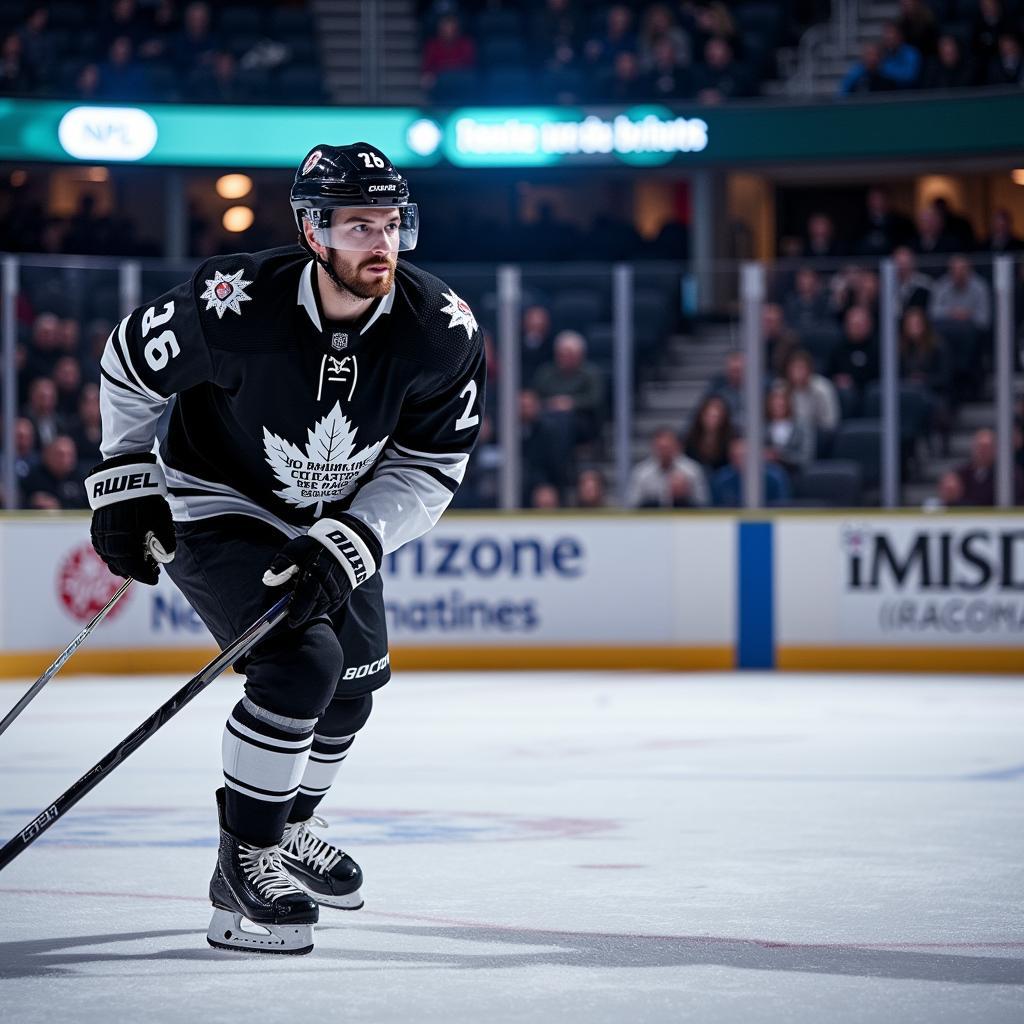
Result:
[[159, 351]]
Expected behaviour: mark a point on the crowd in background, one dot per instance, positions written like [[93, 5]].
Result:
[[820, 329], [179, 50], [943, 44]]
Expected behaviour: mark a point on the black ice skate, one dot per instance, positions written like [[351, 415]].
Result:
[[251, 887], [330, 876]]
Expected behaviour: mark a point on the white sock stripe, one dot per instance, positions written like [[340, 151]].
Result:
[[239, 788], [306, 791], [333, 741], [328, 759], [271, 741], [288, 724], [320, 774]]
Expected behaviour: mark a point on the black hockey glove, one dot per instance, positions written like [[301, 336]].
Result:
[[132, 528], [327, 564]]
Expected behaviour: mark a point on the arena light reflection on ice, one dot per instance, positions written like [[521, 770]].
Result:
[[530, 136]]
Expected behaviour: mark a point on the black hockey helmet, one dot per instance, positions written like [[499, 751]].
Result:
[[354, 176]]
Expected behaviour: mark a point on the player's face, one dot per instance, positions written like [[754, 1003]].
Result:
[[364, 250]]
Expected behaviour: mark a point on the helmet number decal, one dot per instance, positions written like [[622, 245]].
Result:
[[468, 417], [371, 159]]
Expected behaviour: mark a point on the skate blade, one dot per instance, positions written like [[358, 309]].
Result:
[[350, 901], [231, 930]]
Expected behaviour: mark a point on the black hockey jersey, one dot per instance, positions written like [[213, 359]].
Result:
[[285, 416]]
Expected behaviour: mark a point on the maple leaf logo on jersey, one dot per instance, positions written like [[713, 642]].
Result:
[[458, 309], [328, 469], [226, 291]]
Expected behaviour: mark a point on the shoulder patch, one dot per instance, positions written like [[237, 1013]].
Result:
[[226, 291], [460, 313]]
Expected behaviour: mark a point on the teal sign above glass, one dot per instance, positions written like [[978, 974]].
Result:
[[210, 136]]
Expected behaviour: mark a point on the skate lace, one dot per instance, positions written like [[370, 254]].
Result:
[[264, 869], [310, 849]]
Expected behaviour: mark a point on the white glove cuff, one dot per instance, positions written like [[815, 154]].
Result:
[[351, 551], [124, 483]]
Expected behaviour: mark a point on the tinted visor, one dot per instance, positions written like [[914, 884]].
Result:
[[369, 228]]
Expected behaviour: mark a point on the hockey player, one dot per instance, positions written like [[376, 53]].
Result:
[[325, 401]]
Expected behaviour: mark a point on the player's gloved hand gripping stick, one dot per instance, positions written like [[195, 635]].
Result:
[[327, 564], [128, 497]]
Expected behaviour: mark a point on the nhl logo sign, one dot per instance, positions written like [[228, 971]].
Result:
[[339, 341]]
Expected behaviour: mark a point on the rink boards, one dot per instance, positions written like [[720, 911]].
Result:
[[797, 591]]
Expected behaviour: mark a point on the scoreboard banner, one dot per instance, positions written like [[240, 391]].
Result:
[[855, 590]]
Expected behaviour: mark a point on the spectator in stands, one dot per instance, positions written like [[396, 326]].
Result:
[[821, 243], [618, 37], [666, 78], [42, 410], [722, 76], [37, 45], [961, 294], [866, 75], [121, 76], [790, 440], [990, 22], [660, 33], [978, 474], [26, 456], [912, 287], [555, 36], [728, 385], [195, 45], [667, 478], [855, 286], [727, 482], [709, 21], [448, 50], [87, 82], [624, 84], [708, 439], [45, 348], [571, 389], [67, 375], [949, 493], [924, 357], [933, 237], [779, 340], [542, 461], [1002, 239], [56, 482], [885, 228], [161, 32], [544, 496], [958, 226], [901, 62], [591, 489], [479, 487], [17, 77], [87, 433], [807, 308], [950, 68], [1006, 67], [812, 395], [535, 347], [123, 21], [854, 362], [917, 23], [217, 82]]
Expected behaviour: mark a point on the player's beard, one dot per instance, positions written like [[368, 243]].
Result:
[[351, 276]]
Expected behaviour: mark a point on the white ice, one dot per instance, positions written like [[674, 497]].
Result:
[[577, 847]]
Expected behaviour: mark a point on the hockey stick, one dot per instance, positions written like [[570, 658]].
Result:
[[157, 553], [134, 740]]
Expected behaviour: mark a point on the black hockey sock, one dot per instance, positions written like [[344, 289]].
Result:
[[264, 755], [321, 770]]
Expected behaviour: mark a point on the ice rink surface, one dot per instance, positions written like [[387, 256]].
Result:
[[576, 847]]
